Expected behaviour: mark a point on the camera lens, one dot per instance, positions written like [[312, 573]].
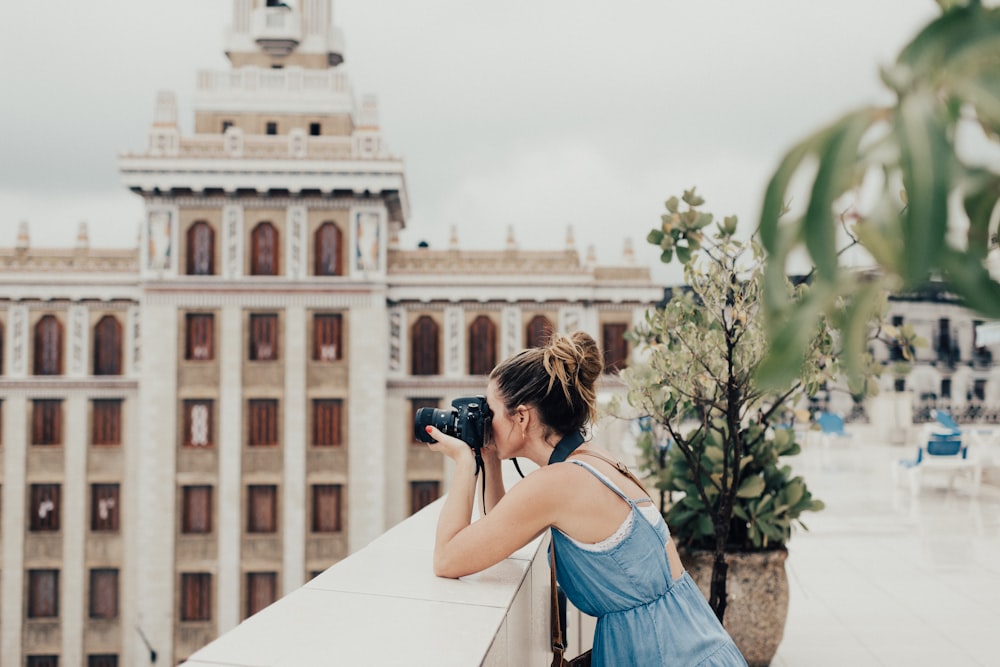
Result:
[[442, 420]]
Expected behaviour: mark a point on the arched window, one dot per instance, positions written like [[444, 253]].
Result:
[[200, 250], [328, 245], [538, 331], [615, 347], [482, 346], [424, 347], [264, 250], [108, 346], [48, 346]]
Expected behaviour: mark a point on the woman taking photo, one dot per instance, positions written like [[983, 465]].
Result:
[[616, 560]]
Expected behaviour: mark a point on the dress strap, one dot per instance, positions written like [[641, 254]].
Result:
[[618, 465], [607, 482]]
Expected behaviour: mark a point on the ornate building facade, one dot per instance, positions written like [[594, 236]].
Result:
[[194, 427]]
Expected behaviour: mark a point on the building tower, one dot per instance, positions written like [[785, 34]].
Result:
[[263, 316]]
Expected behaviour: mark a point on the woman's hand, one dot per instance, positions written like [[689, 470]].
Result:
[[451, 447]]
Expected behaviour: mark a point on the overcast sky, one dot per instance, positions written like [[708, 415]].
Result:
[[537, 114]]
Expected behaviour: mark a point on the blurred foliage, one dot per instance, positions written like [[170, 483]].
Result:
[[885, 176]]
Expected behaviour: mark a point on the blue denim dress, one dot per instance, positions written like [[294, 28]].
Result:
[[644, 617]]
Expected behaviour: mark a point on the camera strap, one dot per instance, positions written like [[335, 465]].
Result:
[[566, 447]]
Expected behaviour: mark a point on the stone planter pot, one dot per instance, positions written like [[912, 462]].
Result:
[[757, 605]]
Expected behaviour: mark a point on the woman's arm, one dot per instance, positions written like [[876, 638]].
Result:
[[462, 547]]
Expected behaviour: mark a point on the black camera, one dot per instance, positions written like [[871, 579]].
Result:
[[469, 420]]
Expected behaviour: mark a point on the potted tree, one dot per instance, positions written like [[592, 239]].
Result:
[[735, 499]]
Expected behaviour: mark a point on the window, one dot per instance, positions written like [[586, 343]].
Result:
[[196, 596], [198, 423], [199, 335], [262, 590], [43, 661], [327, 330], [263, 337], [979, 389], [328, 250], [1, 348], [482, 346], [326, 508], [102, 660], [271, 127], [314, 129], [226, 124], [196, 510], [264, 250], [946, 388], [327, 424], [48, 346], [44, 508], [46, 421], [538, 332], [104, 507], [416, 404], [106, 421], [615, 347], [423, 494], [43, 593], [262, 508], [104, 593], [424, 346], [263, 426], [201, 249], [895, 349], [108, 346]]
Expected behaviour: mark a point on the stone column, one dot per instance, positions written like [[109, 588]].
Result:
[[230, 464], [155, 483], [296, 429], [454, 341], [232, 241], [14, 495], [511, 337], [366, 407], [75, 579]]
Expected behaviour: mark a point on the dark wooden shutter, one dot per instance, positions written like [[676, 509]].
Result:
[[104, 507], [262, 590], [46, 421], [102, 660], [423, 494], [538, 332], [264, 250], [615, 347], [417, 404], [326, 516], [43, 593], [48, 346], [196, 510], [107, 421], [424, 346], [108, 346], [262, 510], [200, 337], [327, 337], [104, 593], [200, 250], [44, 506], [196, 596], [327, 426], [263, 422], [42, 661], [482, 346], [263, 337], [328, 244]]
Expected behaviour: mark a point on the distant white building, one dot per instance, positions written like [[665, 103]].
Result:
[[193, 428]]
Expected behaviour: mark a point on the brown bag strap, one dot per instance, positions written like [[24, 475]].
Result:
[[619, 466], [558, 645]]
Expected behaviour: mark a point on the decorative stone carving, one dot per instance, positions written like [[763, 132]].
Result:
[[232, 221], [78, 340], [18, 341], [396, 332], [570, 319], [367, 235], [159, 237], [134, 327], [296, 241], [510, 331], [454, 336]]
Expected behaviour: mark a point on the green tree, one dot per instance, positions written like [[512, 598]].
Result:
[[933, 214]]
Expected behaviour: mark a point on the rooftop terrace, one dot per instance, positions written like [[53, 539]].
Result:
[[882, 578]]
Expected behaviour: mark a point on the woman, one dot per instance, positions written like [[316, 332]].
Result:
[[615, 557]]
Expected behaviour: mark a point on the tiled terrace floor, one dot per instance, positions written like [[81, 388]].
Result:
[[886, 578]]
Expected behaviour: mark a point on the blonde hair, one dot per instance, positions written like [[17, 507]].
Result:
[[558, 380]]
